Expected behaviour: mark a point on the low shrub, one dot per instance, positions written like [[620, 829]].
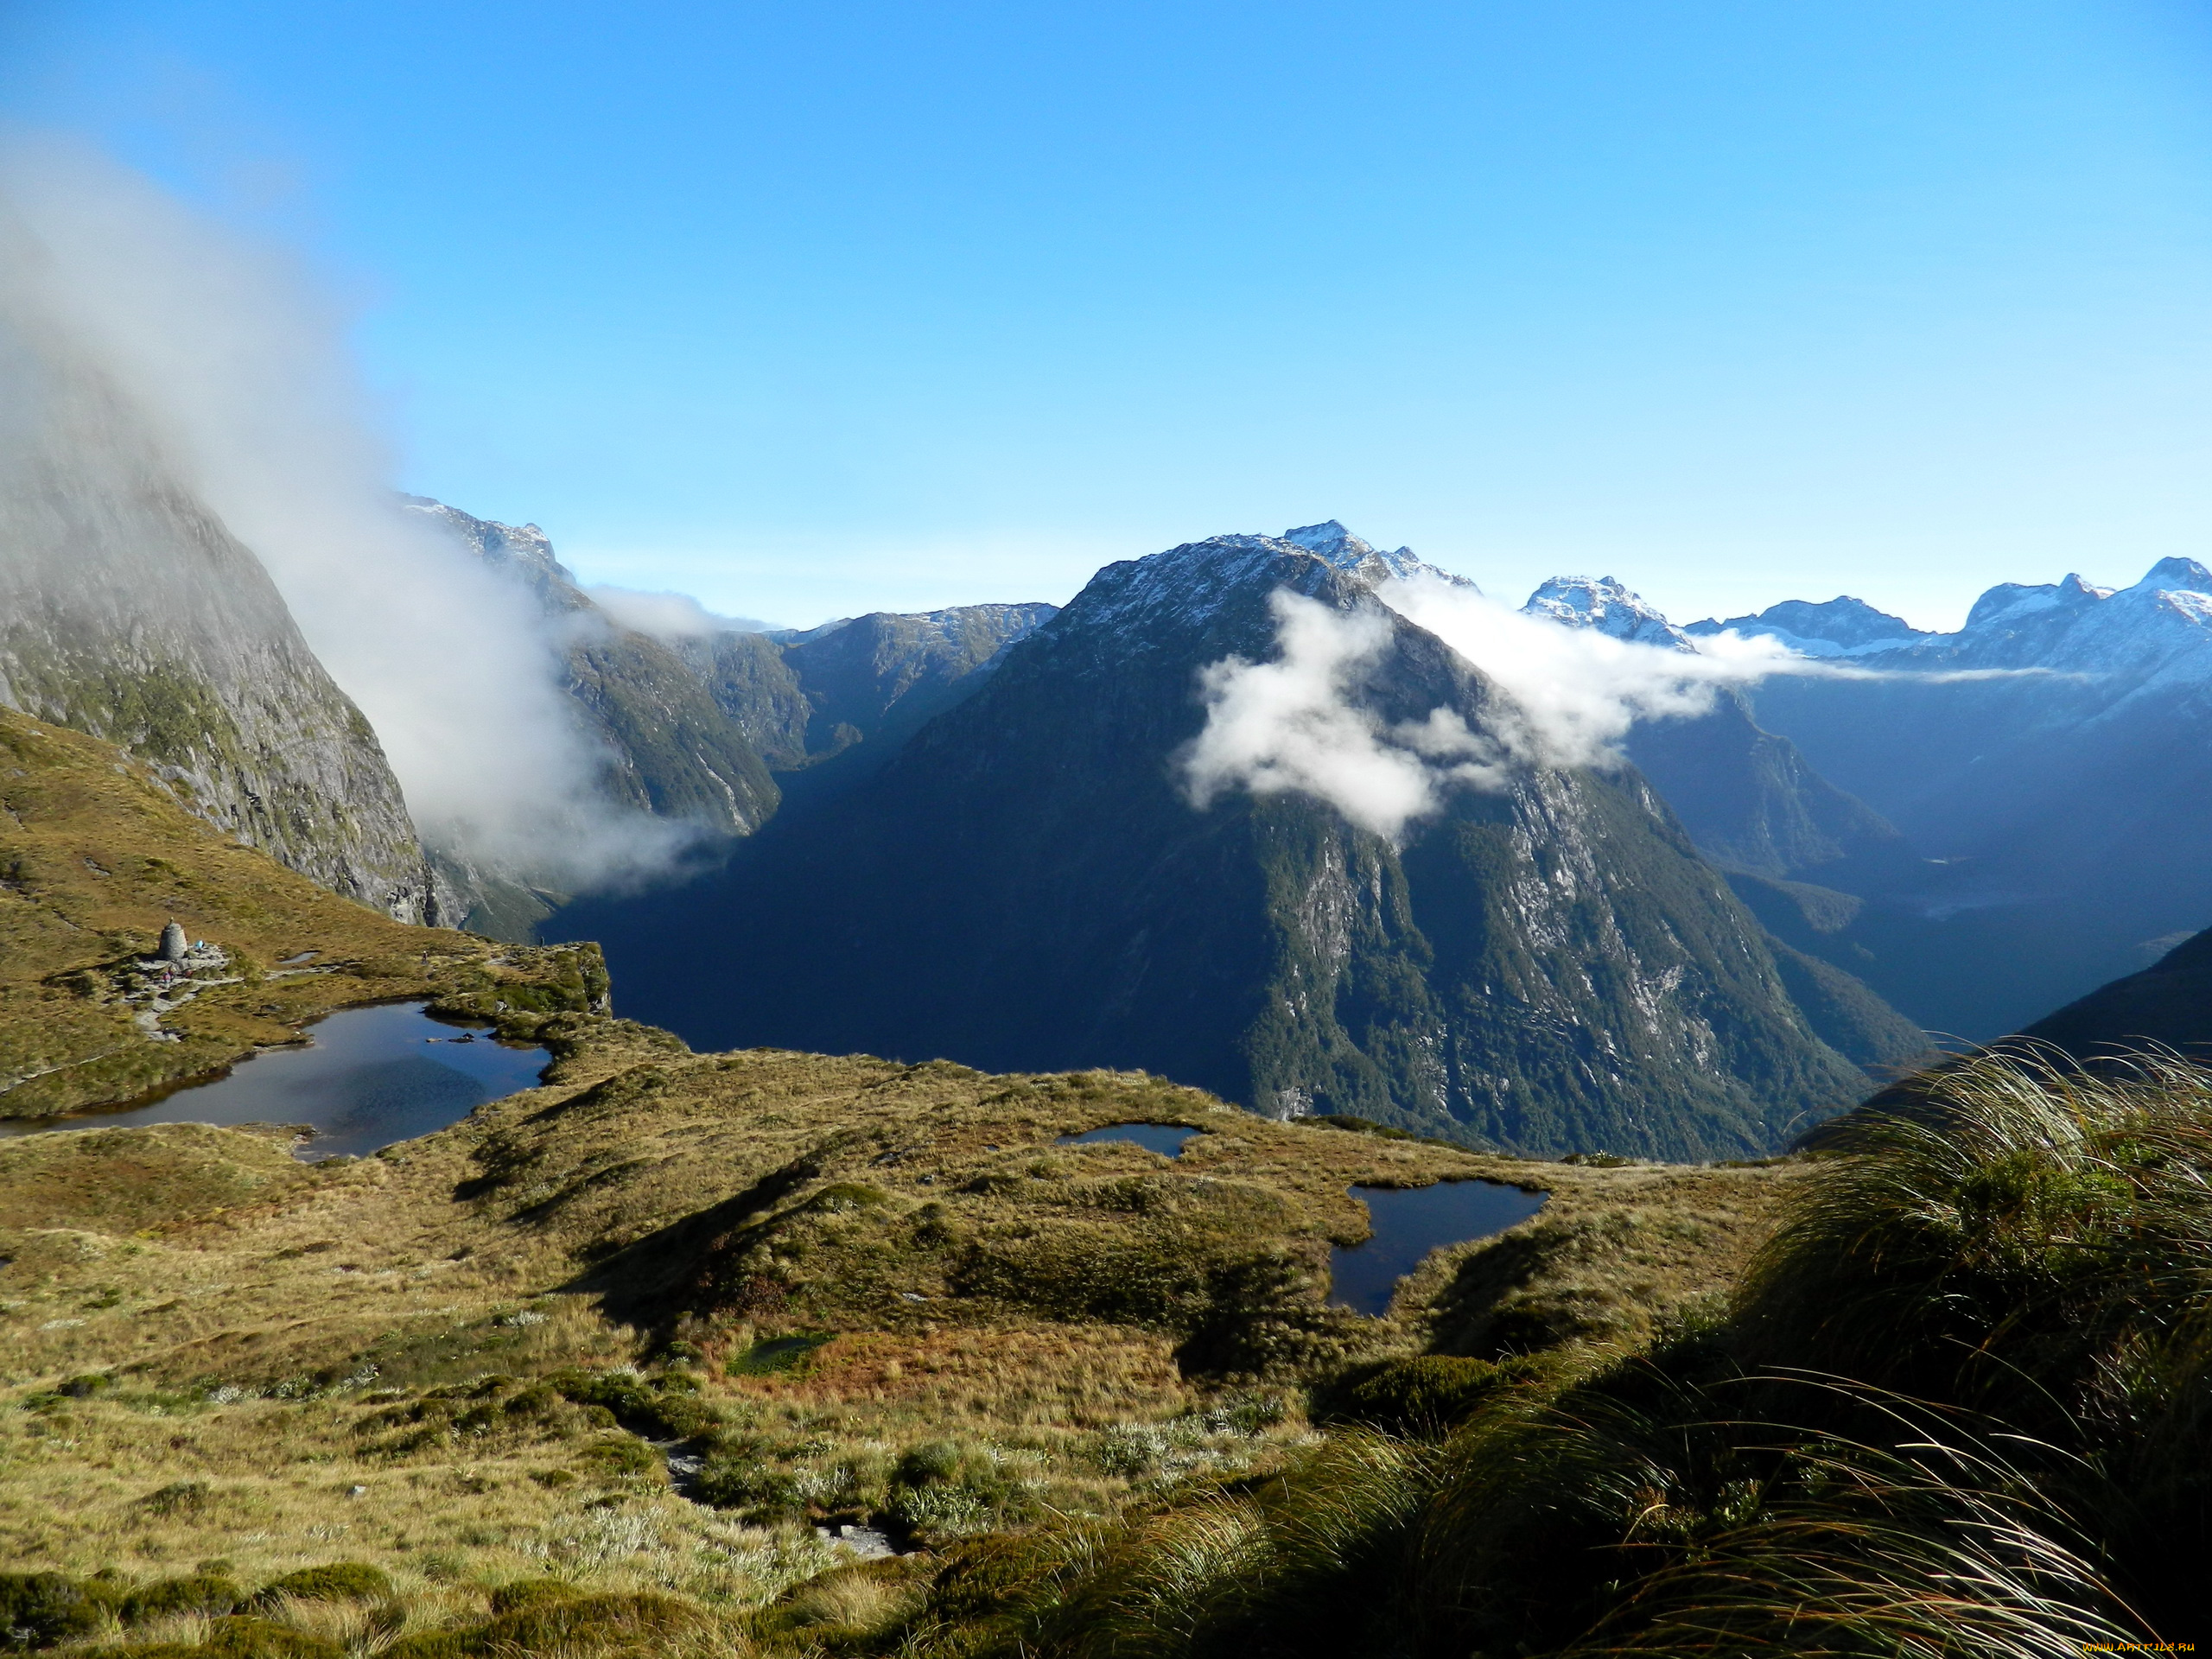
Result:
[[663, 1408], [605, 1625], [944, 1490], [237, 1638], [760, 1495], [51, 1607], [513, 1597], [334, 1581], [621, 1457], [1427, 1395], [773, 1354], [199, 1592]]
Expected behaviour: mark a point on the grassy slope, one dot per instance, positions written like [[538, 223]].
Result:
[[270, 1326], [282, 1364], [96, 854]]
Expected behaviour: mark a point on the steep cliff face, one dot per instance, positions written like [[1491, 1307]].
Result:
[[669, 749], [127, 610]]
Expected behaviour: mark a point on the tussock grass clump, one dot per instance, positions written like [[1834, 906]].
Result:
[[2031, 1238], [1960, 1407], [336, 1581]]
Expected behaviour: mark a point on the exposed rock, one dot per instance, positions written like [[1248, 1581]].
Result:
[[127, 610]]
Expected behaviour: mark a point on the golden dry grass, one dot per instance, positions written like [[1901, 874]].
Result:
[[257, 1315], [96, 856], [280, 1364]]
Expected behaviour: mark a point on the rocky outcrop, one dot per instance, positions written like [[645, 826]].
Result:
[[128, 612]]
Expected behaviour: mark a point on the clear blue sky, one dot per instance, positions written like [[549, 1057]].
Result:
[[822, 307]]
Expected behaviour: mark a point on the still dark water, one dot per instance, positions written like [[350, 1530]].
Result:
[[1409, 1222], [1167, 1138], [371, 1077]]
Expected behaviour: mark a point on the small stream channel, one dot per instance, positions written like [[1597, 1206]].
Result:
[[1411, 1221], [369, 1076]]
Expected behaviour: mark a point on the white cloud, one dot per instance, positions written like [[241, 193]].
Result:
[[666, 616], [232, 359], [1569, 697], [1572, 694]]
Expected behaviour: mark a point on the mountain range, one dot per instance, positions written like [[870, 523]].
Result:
[[1024, 883], [964, 832], [2046, 763]]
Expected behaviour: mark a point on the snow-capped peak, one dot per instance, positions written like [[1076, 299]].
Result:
[[2186, 575], [2014, 600], [1329, 540], [1602, 604], [1842, 627]]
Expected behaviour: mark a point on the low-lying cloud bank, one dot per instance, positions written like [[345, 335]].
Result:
[[233, 362], [667, 616], [1570, 696]]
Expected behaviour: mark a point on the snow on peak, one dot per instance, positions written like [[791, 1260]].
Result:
[[1331, 540], [1602, 604], [1842, 627], [2186, 575], [2015, 601]]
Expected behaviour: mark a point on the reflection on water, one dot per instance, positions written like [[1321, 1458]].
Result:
[[1409, 1222], [369, 1078], [1167, 1138]]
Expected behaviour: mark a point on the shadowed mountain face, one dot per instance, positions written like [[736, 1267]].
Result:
[[1550, 967], [1753, 803], [127, 610], [2058, 798], [862, 687], [692, 724], [2169, 1002]]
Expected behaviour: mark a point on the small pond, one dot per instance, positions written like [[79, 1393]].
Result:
[[369, 1076], [1411, 1221], [1163, 1137]]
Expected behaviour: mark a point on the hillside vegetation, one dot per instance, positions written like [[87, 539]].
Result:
[[779, 1354], [644, 1329], [96, 853]]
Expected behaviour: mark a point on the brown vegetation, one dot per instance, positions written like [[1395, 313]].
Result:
[[853, 1290], [96, 854]]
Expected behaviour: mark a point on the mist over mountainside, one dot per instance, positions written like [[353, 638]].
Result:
[[188, 385], [128, 612], [689, 713], [1542, 962]]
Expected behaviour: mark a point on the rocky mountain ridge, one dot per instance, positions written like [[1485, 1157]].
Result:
[[707, 728]]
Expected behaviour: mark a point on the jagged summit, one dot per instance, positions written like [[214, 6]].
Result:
[[1332, 542], [2186, 575], [1602, 605], [522, 550]]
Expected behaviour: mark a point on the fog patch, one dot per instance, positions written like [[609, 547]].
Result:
[[233, 358], [666, 616]]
